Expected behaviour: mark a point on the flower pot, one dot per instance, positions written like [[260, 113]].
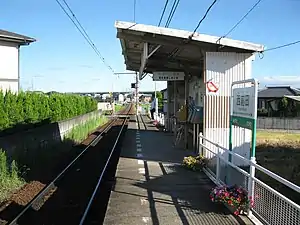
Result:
[[234, 210]]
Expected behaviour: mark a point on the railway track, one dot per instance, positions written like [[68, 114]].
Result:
[[70, 197]]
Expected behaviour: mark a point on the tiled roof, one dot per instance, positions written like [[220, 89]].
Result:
[[278, 92]]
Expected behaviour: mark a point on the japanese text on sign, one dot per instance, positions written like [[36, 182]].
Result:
[[243, 102], [168, 76]]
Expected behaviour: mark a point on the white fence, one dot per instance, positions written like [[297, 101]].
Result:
[[278, 123], [270, 206], [160, 117]]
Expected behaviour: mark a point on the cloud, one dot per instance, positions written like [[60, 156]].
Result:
[[86, 66], [56, 68], [281, 80]]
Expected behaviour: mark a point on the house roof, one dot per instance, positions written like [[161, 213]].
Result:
[[15, 38], [295, 98], [278, 92], [171, 49]]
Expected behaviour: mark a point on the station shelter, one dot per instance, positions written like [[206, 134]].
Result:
[[199, 70]]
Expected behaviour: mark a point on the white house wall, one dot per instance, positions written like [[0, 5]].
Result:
[[9, 66], [222, 69]]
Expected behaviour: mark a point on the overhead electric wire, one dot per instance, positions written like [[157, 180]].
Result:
[[163, 12], [83, 32], [281, 46], [238, 23], [172, 12], [203, 18]]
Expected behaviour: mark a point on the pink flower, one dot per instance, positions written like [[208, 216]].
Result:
[[236, 212]]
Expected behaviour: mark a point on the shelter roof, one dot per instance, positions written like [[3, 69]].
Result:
[[149, 48], [15, 38]]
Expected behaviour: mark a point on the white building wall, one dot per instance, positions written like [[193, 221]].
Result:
[[9, 66], [223, 68]]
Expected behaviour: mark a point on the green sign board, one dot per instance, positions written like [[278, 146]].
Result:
[[244, 107], [243, 110]]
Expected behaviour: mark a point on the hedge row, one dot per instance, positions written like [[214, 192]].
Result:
[[31, 108]]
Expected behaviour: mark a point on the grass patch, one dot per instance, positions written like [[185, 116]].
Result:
[[278, 138], [279, 152], [146, 107], [118, 107], [81, 132], [10, 178], [35, 164]]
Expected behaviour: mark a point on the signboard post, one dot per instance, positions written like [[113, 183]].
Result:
[[243, 110], [243, 113]]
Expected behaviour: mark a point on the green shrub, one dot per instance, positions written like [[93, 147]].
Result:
[[262, 112], [30, 108], [4, 121], [10, 179], [119, 107]]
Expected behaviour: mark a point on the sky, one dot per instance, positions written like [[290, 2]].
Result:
[[62, 60]]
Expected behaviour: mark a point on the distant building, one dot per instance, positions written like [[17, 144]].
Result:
[[10, 59], [121, 98], [145, 97], [269, 98]]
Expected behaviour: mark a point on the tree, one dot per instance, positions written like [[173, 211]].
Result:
[[159, 97], [283, 106], [4, 121]]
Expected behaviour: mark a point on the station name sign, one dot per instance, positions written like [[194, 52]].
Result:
[[243, 102], [244, 107], [168, 76]]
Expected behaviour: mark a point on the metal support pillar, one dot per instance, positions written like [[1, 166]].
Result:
[[186, 96], [169, 106], [137, 93], [144, 58], [175, 109], [197, 139], [156, 101], [194, 137]]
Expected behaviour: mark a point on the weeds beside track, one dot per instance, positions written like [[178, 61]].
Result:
[[68, 198]]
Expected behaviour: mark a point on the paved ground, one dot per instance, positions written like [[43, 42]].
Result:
[[152, 188]]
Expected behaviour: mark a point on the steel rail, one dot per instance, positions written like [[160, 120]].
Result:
[[63, 172], [60, 175], [96, 189]]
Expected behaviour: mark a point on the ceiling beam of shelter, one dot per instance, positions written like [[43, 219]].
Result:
[[145, 57]]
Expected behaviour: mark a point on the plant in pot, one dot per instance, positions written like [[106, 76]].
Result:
[[194, 163], [234, 196]]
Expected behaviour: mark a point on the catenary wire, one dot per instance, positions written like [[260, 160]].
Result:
[[83, 32], [163, 12], [172, 12], [203, 18], [238, 23]]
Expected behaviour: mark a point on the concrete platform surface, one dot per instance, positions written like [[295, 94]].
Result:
[[153, 188]]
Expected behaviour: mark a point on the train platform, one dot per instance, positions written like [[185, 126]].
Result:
[[152, 187]]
